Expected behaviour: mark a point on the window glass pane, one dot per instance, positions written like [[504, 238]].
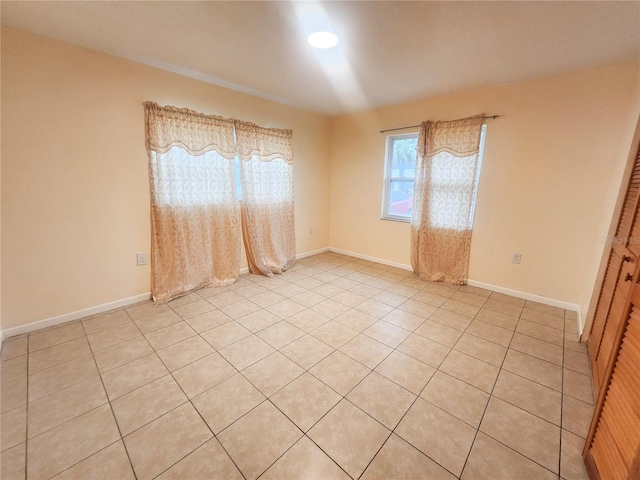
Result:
[[400, 198], [403, 160]]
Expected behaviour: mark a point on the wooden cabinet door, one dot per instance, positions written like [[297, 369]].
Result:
[[617, 282]]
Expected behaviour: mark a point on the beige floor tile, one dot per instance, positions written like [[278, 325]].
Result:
[[503, 307], [327, 290], [572, 465], [417, 308], [366, 350], [542, 318], [13, 463], [13, 427], [310, 283], [113, 336], [576, 416], [388, 298], [482, 349], [288, 290], [13, 394], [307, 320], [573, 343], [166, 336], [440, 436], [334, 334], [387, 333], [490, 332], [404, 319], [571, 325], [272, 373], [224, 298], [240, 308], [14, 347], [425, 350], [55, 335], [55, 409], [456, 397], [497, 319], [469, 298], [577, 386], [577, 361], [246, 352], [110, 462], [307, 299], [161, 443], [208, 461], [365, 290], [146, 309], [501, 297], [384, 400], [147, 403], [124, 352], [403, 290], [225, 403], [491, 460], [64, 446], [203, 374], [224, 335], [207, 321], [475, 372], [189, 298], [450, 319], [460, 308], [398, 459], [307, 351], [406, 371], [61, 376], [414, 282], [340, 372], [535, 330], [58, 354], [374, 308], [356, 320], [267, 298], [439, 333], [351, 299], [105, 321], [350, 437], [533, 368], [304, 460], [133, 375], [157, 321], [440, 289], [258, 320], [249, 291], [541, 307], [280, 334], [185, 352], [14, 368], [305, 401], [527, 434], [330, 308], [537, 348], [542, 401], [257, 440]]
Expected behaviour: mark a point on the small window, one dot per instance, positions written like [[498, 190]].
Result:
[[400, 163]]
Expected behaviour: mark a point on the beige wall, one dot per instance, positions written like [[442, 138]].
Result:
[[551, 171], [75, 192]]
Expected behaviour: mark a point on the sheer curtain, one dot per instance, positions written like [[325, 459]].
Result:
[[266, 172], [195, 226], [444, 196]]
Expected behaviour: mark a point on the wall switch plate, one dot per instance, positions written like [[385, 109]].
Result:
[[516, 258], [141, 258]]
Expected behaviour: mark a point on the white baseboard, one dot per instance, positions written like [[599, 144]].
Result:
[[372, 259], [312, 252], [1, 339], [69, 317]]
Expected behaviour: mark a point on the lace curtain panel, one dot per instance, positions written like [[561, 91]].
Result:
[[444, 194], [268, 220], [195, 223]]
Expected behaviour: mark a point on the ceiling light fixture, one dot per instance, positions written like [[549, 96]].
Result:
[[322, 40]]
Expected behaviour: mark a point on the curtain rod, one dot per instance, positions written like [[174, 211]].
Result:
[[414, 126]]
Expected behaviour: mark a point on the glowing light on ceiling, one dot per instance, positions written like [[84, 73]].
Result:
[[322, 40]]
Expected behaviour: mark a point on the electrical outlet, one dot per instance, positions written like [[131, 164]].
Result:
[[141, 258], [516, 258], [310, 230]]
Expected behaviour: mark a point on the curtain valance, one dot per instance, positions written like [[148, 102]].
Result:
[[265, 143], [457, 137], [197, 133]]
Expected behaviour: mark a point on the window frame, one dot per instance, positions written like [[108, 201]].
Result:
[[386, 187]]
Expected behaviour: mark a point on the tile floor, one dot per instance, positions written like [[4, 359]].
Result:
[[338, 368]]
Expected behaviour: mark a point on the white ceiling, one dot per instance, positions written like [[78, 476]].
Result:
[[389, 51]]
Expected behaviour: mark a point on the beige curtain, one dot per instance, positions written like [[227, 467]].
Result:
[[195, 224], [444, 196], [266, 172]]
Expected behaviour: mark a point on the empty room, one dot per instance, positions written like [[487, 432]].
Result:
[[320, 240]]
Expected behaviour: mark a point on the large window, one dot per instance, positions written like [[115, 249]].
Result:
[[400, 162]]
